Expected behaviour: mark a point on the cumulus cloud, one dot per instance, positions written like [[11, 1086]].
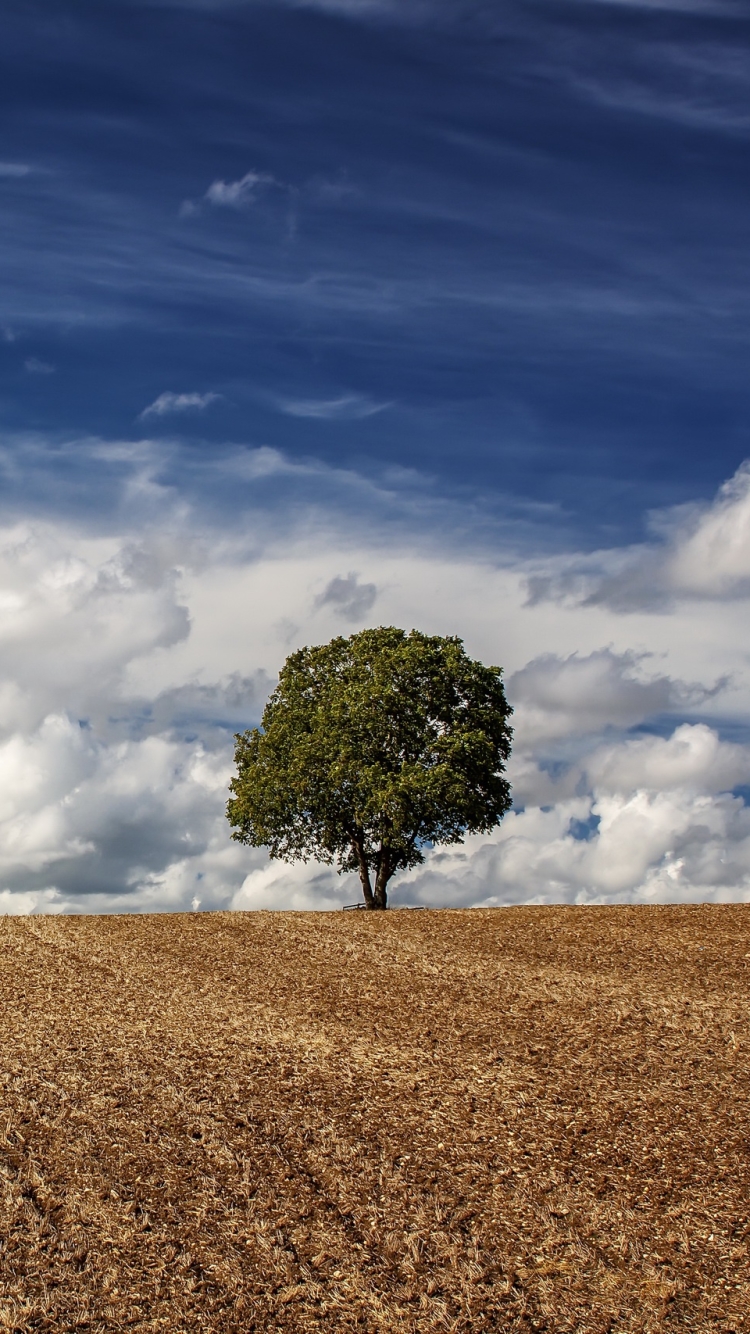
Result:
[[296, 887], [708, 551], [650, 819], [698, 552], [90, 811], [73, 612], [557, 697], [348, 596], [168, 403], [692, 759], [111, 797], [114, 758], [350, 407]]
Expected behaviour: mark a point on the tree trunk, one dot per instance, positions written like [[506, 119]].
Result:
[[364, 876], [380, 895], [376, 897], [364, 872]]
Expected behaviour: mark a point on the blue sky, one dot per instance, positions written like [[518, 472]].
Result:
[[503, 245], [302, 301]]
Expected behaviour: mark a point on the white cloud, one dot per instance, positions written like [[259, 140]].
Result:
[[106, 799], [655, 821], [708, 553], [13, 170], [168, 403], [297, 887], [350, 407], [698, 552], [558, 697], [692, 759], [240, 193], [37, 367]]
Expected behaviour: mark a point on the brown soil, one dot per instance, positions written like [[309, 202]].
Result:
[[519, 1119]]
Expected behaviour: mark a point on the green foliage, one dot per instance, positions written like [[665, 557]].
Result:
[[371, 748]]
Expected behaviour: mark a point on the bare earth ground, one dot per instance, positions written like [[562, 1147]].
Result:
[[519, 1119]]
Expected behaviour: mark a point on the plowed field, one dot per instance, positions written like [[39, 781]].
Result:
[[519, 1119]]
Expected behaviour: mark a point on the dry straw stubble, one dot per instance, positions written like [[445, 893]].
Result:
[[518, 1119]]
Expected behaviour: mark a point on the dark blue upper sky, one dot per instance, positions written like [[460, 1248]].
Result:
[[505, 245]]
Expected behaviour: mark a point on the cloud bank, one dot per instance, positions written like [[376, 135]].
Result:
[[132, 652]]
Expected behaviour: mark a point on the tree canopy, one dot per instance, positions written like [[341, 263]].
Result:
[[371, 749]]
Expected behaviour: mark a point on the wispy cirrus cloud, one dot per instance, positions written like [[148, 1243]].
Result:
[[349, 407], [678, 6], [37, 367], [704, 113], [238, 194], [14, 170], [168, 403], [426, 11], [351, 8]]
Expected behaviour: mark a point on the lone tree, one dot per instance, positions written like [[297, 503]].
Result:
[[371, 749]]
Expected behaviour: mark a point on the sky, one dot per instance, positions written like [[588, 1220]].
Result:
[[318, 315]]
